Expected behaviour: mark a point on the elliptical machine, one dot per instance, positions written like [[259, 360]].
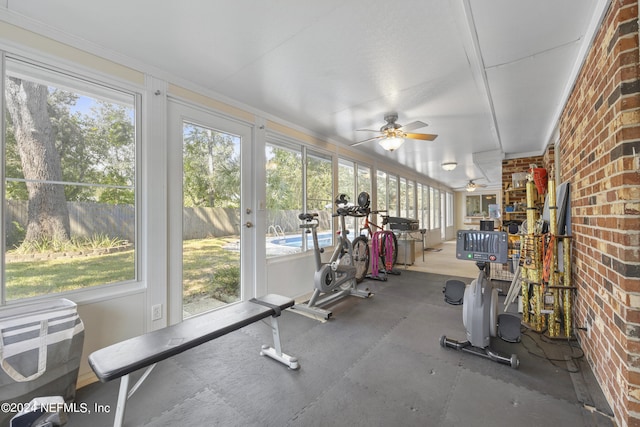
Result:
[[480, 302], [337, 278]]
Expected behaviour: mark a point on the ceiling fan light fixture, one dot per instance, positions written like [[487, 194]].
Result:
[[391, 143], [449, 166], [471, 187]]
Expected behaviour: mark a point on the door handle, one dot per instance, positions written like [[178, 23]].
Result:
[[248, 224]]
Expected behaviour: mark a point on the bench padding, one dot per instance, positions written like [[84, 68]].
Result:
[[139, 352]]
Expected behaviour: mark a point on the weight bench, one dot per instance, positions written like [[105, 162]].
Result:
[[144, 351]]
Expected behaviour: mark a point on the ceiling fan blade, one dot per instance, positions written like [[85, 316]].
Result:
[[367, 130], [413, 125], [366, 140], [422, 136]]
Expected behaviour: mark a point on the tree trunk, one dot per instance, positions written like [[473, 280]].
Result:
[[48, 216]]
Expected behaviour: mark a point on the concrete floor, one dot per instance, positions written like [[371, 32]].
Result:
[[376, 362]]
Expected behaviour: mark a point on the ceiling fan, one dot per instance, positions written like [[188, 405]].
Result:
[[393, 134], [471, 186]]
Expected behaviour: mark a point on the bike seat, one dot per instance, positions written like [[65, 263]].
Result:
[[307, 216]]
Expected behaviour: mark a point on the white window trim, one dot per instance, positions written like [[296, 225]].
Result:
[[95, 80]]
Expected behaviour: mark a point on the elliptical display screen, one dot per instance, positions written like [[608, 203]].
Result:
[[482, 246]]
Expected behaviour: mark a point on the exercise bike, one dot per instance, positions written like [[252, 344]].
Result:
[[480, 301], [384, 244], [337, 278]]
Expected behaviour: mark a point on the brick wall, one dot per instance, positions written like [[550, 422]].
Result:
[[511, 166], [599, 150]]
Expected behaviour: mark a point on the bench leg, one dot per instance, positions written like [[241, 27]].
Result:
[[122, 401], [275, 352], [124, 394]]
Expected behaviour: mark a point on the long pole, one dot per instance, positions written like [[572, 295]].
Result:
[[554, 321], [532, 264]]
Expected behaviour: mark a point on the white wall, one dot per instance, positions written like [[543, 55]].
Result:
[[108, 321], [291, 276]]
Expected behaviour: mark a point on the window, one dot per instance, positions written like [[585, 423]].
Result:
[[319, 182], [419, 205], [319, 185], [364, 179], [211, 197], [411, 197], [284, 198], [353, 179], [289, 192], [392, 191], [70, 183], [381, 188], [423, 206], [403, 198], [478, 204], [434, 204], [347, 179], [449, 210]]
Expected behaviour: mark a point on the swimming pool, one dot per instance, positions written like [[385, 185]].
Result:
[[325, 238]]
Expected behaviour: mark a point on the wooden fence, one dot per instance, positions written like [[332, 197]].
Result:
[[88, 219]]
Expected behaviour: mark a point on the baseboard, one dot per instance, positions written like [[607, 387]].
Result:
[[86, 379]]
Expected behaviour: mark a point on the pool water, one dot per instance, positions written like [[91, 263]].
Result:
[[325, 238]]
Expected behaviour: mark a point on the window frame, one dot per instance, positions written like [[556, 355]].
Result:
[[434, 208], [480, 197], [277, 139], [358, 169], [393, 190], [411, 199], [88, 82], [450, 201], [284, 143]]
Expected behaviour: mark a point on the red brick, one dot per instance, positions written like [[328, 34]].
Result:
[[605, 205]]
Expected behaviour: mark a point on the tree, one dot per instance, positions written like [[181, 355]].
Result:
[[319, 183], [68, 131], [284, 179], [109, 135], [48, 216], [211, 168]]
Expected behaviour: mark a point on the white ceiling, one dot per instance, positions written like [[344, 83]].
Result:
[[488, 76]]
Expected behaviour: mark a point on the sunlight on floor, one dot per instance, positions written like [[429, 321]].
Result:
[[441, 259]]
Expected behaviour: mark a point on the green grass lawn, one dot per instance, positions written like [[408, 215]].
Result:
[[208, 270]]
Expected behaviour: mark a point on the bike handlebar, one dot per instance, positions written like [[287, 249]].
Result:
[[354, 211], [307, 216]]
